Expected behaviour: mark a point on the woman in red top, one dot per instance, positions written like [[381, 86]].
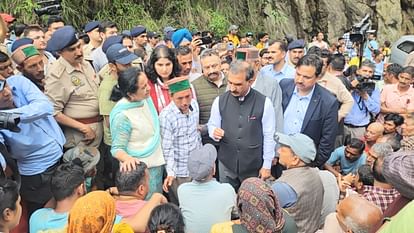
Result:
[[161, 67]]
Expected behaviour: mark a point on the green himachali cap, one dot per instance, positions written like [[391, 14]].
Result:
[[178, 84]]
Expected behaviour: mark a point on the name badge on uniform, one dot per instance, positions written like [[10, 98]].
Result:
[[76, 81]]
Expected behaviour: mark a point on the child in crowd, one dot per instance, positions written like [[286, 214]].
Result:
[[386, 50], [89, 156], [354, 183]]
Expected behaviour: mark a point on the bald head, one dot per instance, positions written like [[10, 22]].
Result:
[[351, 217], [377, 127], [374, 131]]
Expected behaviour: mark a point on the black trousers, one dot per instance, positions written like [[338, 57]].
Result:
[[35, 190], [106, 168]]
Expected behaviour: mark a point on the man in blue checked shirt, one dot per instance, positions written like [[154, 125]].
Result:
[[365, 105], [37, 148], [178, 122]]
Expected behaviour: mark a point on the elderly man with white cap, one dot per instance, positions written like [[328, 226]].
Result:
[[204, 201], [300, 189]]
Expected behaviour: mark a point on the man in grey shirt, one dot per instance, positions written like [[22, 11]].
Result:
[[106, 30], [266, 85]]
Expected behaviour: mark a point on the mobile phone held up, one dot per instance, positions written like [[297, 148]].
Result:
[[206, 40]]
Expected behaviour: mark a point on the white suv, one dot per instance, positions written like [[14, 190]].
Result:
[[401, 49]]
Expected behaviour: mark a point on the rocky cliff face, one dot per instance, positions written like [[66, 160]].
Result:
[[304, 18], [301, 18]]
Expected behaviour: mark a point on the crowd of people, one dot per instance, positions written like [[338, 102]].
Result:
[[137, 131]]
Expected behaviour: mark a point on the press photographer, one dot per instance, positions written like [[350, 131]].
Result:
[[37, 147], [366, 100]]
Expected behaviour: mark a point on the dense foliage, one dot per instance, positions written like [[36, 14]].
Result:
[[215, 15]]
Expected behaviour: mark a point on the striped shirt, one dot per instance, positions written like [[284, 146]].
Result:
[[398, 170]]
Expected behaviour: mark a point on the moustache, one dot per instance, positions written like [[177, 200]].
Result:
[[213, 73]]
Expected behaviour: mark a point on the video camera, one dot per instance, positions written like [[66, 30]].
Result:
[[365, 84], [9, 121], [358, 34], [359, 30], [48, 7]]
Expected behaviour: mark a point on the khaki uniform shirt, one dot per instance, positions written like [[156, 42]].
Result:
[[138, 63], [74, 93], [108, 81], [337, 88], [87, 50]]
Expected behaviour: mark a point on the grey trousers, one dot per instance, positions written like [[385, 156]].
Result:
[[353, 133], [228, 176]]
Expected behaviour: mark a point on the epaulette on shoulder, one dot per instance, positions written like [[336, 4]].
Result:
[[56, 69]]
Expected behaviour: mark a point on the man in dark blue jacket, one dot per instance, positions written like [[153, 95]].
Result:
[[309, 108]]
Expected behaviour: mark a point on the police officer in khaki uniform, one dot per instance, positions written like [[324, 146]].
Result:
[[95, 40], [139, 35], [72, 87]]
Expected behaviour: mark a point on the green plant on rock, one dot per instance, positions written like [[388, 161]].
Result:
[[278, 16], [214, 15], [75, 12], [218, 23], [22, 9], [127, 14]]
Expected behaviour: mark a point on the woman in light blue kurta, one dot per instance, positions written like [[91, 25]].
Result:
[[135, 127]]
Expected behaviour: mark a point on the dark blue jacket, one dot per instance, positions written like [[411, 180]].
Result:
[[321, 118]]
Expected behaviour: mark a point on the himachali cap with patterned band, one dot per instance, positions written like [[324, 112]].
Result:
[[178, 84], [23, 49]]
